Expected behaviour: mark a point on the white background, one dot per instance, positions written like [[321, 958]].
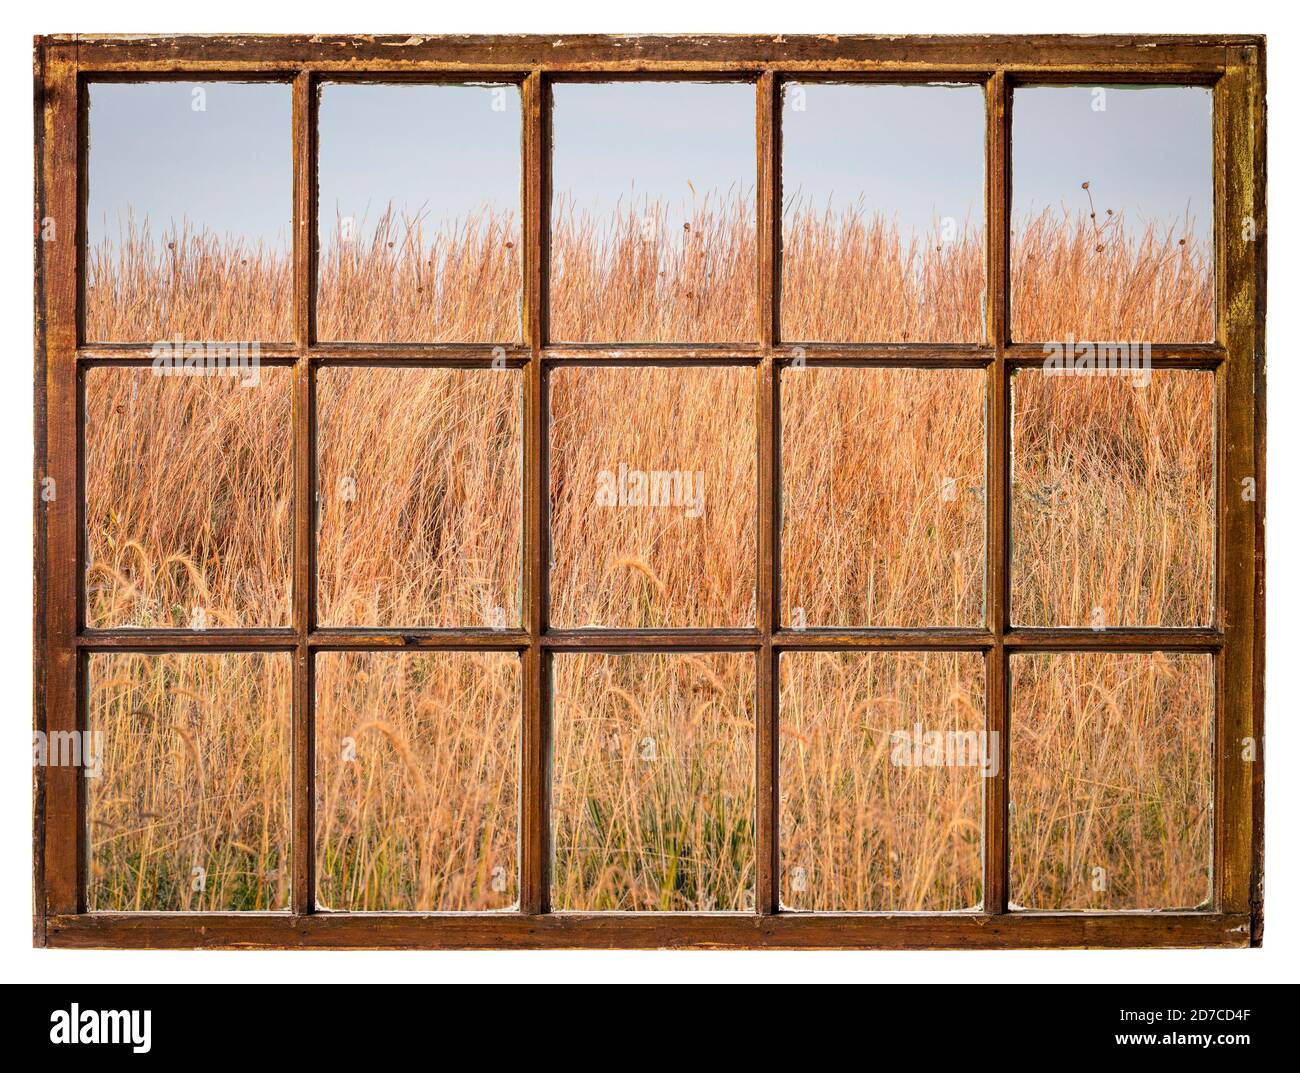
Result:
[[1279, 958]]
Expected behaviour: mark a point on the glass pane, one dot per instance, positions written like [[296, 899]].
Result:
[[653, 497], [1112, 230], [189, 498], [417, 780], [1110, 780], [882, 497], [1112, 500], [419, 213], [188, 803], [653, 782], [883, 756], [883, 213], [189, 210], [653, 213], [420, 497]]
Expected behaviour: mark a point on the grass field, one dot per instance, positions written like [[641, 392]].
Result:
[[1110, 780], [189, 521]]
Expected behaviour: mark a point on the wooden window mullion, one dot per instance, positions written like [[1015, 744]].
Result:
[[767, 878], [535, 835], [997, 542], [303, 893]]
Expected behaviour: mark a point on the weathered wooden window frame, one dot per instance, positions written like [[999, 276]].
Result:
[[1232, 65]]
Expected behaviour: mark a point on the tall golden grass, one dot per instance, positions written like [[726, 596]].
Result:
[[140, 288], [643, 276], [654, 566], [1114, 529], [847, 277], [1104, 281], [191, 811], [189, 505], [860, 829], [653, 782], [189, 500], [882, 497], [395, 283], [854, 277], [1110, 780], [417, 759], [420, 497]]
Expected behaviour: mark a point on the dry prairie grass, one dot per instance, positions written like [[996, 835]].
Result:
[[851, 277], [192, 809], [1114, 529], [206, 286], [637, 279], [883, 497], [417, 780], [399, 284], [420, 509], [189, 500], [192, 479], [653, 784], [1073, 278], [859, 830], [654, 567]]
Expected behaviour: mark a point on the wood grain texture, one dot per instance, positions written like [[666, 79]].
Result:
[[652, 931], [1133, 54], [997, 581], [767, 828], [535, 843], [61, 792], [1238, 99], [40, 542]]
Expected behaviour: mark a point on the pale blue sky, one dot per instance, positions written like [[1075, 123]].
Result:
[[911, 152], [1148, 153], [625, 140], [443, 150], [228, 167]]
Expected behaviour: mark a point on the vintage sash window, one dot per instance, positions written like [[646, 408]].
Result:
[[649, 492]]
